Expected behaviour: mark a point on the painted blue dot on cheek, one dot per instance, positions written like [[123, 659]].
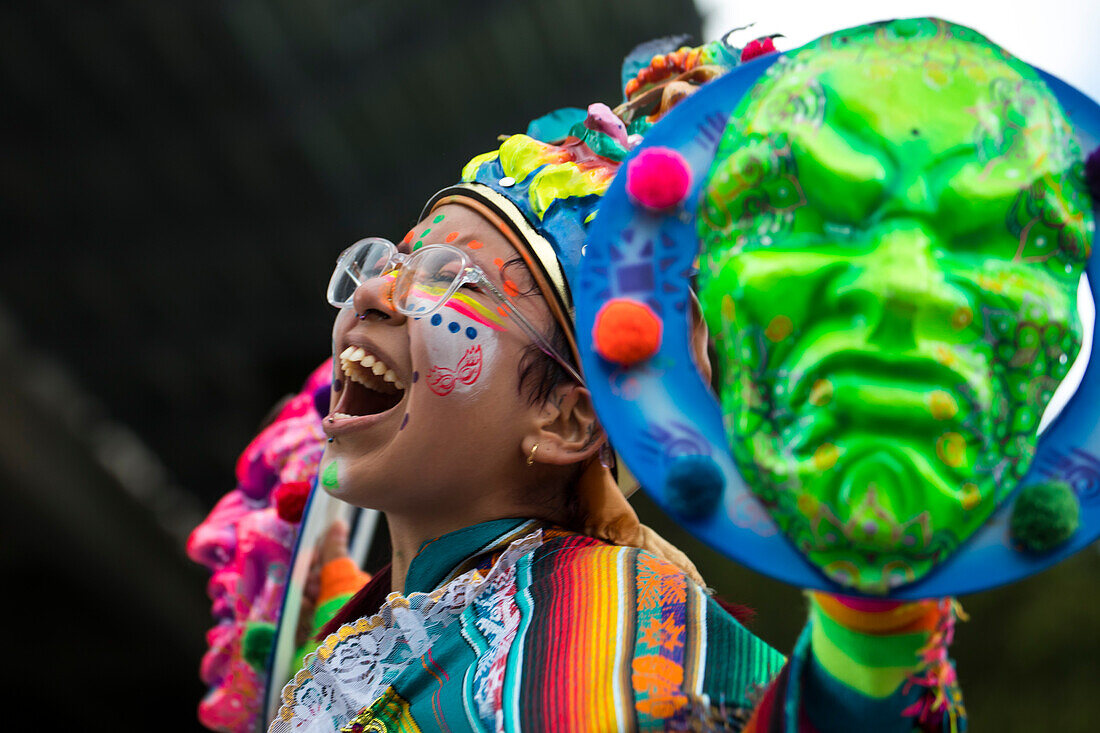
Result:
[[453, 327], [437, 319], [416, 376], [471, 332]]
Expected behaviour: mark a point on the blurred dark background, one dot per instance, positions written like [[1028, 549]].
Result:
[[175, 182]]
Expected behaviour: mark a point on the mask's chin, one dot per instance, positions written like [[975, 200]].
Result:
[[879, 517]]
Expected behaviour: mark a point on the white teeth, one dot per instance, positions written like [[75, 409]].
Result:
[[341, 415], [364, 368]]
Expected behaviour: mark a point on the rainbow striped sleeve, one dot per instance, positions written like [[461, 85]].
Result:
[[616, 639], [575, 654]]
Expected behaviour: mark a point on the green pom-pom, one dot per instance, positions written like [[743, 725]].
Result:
[[1045, 515], [256, 644]]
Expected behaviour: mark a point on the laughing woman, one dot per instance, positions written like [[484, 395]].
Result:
[[522, 598], [523, 593]]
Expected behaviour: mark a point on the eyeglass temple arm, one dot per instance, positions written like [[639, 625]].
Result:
[[355, 277], [527, 326]]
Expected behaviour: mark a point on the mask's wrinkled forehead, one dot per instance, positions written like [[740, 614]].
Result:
[[980, 100], [992, 94]]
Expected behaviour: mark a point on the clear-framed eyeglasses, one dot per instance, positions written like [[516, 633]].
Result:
[[423, 283]]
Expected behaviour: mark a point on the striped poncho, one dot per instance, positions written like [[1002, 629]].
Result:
[[515, 625]]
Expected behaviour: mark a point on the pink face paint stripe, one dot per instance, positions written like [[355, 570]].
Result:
[[474, 316], [474, 312], [485, 311]]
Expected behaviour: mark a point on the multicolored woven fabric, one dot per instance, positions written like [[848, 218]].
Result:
[[516, 625]]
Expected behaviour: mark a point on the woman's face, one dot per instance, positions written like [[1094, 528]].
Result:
[[451, 416]]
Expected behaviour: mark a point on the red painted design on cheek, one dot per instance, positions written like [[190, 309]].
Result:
[[474, 244], [451, 237], [443, 380], [469, 366], [510, 288], [408, 237]]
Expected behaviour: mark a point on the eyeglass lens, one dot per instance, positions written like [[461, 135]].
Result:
[[361, 262], [426, 281]]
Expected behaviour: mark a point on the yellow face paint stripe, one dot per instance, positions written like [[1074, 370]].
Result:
[[476, 311]]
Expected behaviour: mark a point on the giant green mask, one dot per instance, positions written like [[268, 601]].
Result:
[[894, 231]]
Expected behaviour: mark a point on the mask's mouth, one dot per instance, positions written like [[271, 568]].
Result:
[[370, 386]]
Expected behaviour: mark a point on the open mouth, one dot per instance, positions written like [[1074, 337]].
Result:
[[370, 387]]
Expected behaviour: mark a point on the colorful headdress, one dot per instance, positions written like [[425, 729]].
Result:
[[546, 185], [643, 253]]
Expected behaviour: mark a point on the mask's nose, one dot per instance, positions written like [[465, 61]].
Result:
[[902, 282], [902, 263]]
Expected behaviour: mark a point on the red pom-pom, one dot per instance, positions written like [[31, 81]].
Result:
[[626, 331], [290, 500], [658, 178], [759, 47]]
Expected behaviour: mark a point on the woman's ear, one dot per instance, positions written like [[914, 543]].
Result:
[[700, 338], [567, 431]]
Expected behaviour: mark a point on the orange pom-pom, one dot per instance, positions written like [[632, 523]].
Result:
[[626, 331]]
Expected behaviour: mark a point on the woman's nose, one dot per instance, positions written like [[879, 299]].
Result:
[[373, 300]]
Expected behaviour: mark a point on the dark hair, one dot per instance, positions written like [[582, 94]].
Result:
[[539, 374]]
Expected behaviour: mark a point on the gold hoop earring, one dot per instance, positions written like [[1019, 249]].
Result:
[[531, 457]]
